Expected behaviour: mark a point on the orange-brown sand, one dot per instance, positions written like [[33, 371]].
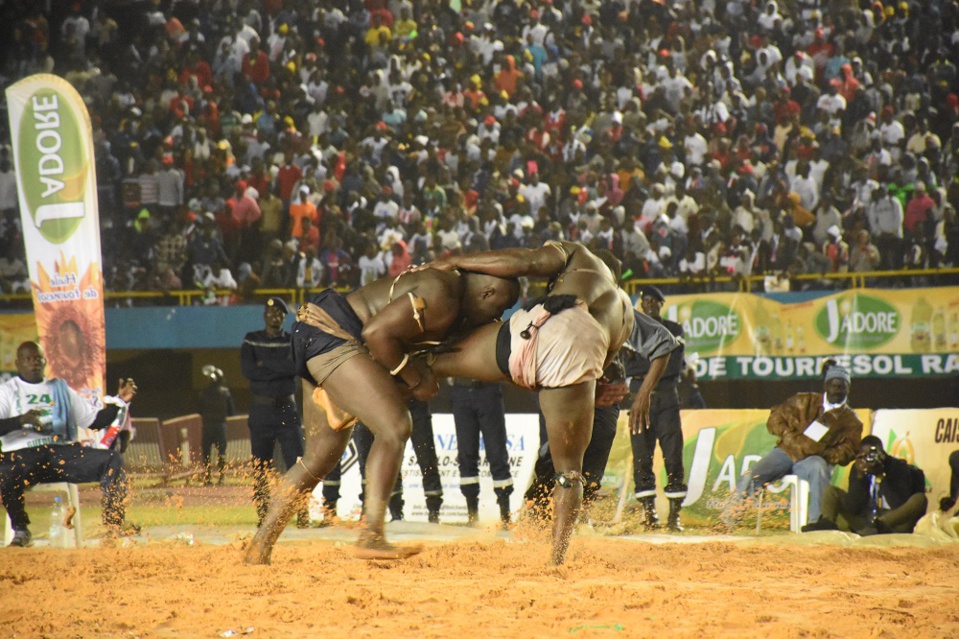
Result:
[[483, 588]]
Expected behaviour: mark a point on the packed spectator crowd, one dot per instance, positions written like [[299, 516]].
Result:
[[246, 144]]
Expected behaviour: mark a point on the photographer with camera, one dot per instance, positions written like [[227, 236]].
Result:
[[886, 495]]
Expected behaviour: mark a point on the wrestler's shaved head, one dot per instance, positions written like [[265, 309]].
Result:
[[486, 297]]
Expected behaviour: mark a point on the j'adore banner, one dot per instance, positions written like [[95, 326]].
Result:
[[719, 447], [522, 446], [53, 152], [874, 333]]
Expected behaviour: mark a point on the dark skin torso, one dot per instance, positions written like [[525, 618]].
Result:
[[440, 290]]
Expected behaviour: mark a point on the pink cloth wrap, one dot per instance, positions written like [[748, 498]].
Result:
[[563, 349]]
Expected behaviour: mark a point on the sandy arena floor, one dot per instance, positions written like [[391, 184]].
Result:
[[481, 585], [470, 583]]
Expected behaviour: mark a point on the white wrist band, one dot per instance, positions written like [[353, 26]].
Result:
[[401, 365]]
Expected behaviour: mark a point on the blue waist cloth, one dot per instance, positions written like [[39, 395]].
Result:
[[309, 341]]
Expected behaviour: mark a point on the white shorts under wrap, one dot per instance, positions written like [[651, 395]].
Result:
[[566, 349]]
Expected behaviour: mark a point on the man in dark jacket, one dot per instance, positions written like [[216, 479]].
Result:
[[266, 359], [816, 432], [886, 495], [215, 405]]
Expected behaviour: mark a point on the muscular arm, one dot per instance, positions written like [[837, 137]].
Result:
[[105, 417], [10, 424], [545, 261], [389, 333], [639, 413]]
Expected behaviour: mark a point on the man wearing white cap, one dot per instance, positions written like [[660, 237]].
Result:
[[816, 432]]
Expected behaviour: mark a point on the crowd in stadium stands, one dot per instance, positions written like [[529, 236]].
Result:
[[246, 144]]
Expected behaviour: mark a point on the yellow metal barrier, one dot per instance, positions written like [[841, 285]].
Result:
[[749, 284], [298, 295]]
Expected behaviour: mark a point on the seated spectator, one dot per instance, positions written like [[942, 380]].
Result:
[[780, 104], [815, 433], [886, 495], [39, 445]]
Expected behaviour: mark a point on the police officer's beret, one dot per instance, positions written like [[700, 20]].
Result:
[[653, 293], [277, 302]]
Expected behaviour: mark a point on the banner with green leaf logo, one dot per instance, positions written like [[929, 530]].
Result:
[[56, 180], [872, 332]]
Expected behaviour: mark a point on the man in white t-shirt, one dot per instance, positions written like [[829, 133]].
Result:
[[39, 420], [536, 193]]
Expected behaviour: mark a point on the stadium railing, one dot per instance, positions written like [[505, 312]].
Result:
[[694, 284]]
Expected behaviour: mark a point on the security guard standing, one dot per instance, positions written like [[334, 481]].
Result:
[[665, 425], [266, 359], [478, 408]]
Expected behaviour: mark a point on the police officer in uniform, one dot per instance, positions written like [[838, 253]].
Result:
[[478, 408], [266, 359], [665, 425]]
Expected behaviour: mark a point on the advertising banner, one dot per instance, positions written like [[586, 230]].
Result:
[[522, 444], [874, 333], [56, 179], [924, 438], [15, 329], [719, 447]]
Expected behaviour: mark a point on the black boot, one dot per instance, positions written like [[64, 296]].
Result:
[[472, 511], [396, 507], [433, 504], [672, 522], [504, 515], [651, 519]]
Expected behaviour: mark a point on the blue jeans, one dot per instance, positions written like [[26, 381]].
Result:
[[776, 464]]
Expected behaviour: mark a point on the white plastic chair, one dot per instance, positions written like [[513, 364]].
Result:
[[798, 503], [73, 499]]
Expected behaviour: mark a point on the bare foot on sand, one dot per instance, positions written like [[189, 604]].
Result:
[[375, 547], [257, 555]]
